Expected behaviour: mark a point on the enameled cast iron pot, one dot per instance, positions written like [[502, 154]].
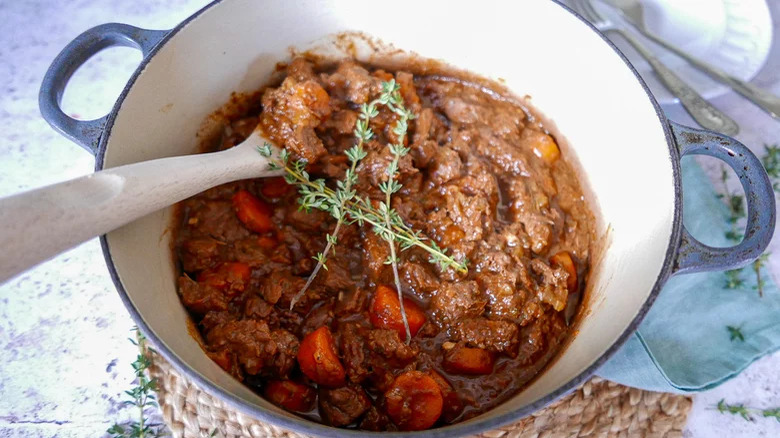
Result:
[[628, 155]]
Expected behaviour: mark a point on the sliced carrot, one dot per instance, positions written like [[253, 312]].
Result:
[[267, 243], [453, 406], [275, 188], [318, 359], [542, 145], [231, 277], [252, 212], [465, 360], [385, 312], [290, 395], [414, 401], [563, 260]]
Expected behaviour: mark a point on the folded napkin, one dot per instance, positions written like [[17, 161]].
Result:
[[683, 344]]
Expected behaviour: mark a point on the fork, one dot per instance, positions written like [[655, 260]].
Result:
[[702, 111], [632, 11]]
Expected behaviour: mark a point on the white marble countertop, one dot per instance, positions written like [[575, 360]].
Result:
[[63, 329]]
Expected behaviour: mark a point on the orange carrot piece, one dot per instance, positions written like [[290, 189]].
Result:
[[275, 188], [465, 360], [252, 212], [385, 312], [318, 359], [231, 277], [290, 395], [414, 401]]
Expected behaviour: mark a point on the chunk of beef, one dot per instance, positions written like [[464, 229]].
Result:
[[376, 252], [281, 283], [460, 111], [248, 251], [408, 91], [479, 180], [353, 352], [213, 319], [372, 168], [217, 219], [321, 315], [377, 420], [312, 220], [454, 301], [290, 114], [418, 277], [351, 301], [353, 82], [446, 166], [388, 344], [257, 308], [343, 406], [472, 214], [552, 287], [337, 277], [301, 70], [502, 153], [257, 349], [341, 122], [198, 254], [423, 146], [505, 300], [540, 336], [201, 298], [495, 336]]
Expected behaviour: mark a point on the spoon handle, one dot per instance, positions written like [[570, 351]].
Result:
[[41, 223], [702, 111]]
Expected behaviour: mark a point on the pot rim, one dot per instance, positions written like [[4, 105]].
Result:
[[303, 425]]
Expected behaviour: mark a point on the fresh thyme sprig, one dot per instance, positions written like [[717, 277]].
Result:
[[141, 396], [344, 192], [745, 412], [735, 333], [391, 98], [347, 207]]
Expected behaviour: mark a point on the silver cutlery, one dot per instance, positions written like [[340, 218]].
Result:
[[702, 111], [632, 12]]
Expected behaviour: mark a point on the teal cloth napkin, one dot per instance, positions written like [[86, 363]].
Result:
[[683, 344]]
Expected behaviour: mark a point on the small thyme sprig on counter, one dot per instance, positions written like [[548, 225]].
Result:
[[735, 333], [141, 396], [347, 207], [745, 412], [771, 162], [734, 279], [757, 265]]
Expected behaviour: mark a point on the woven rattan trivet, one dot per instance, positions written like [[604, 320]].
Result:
[[598, 408]]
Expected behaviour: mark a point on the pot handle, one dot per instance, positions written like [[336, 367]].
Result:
[[86, 133], [694, 256]]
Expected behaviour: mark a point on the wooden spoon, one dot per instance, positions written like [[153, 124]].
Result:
[[39, 224]]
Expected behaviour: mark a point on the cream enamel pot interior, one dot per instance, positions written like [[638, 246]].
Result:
[[628, 155]]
